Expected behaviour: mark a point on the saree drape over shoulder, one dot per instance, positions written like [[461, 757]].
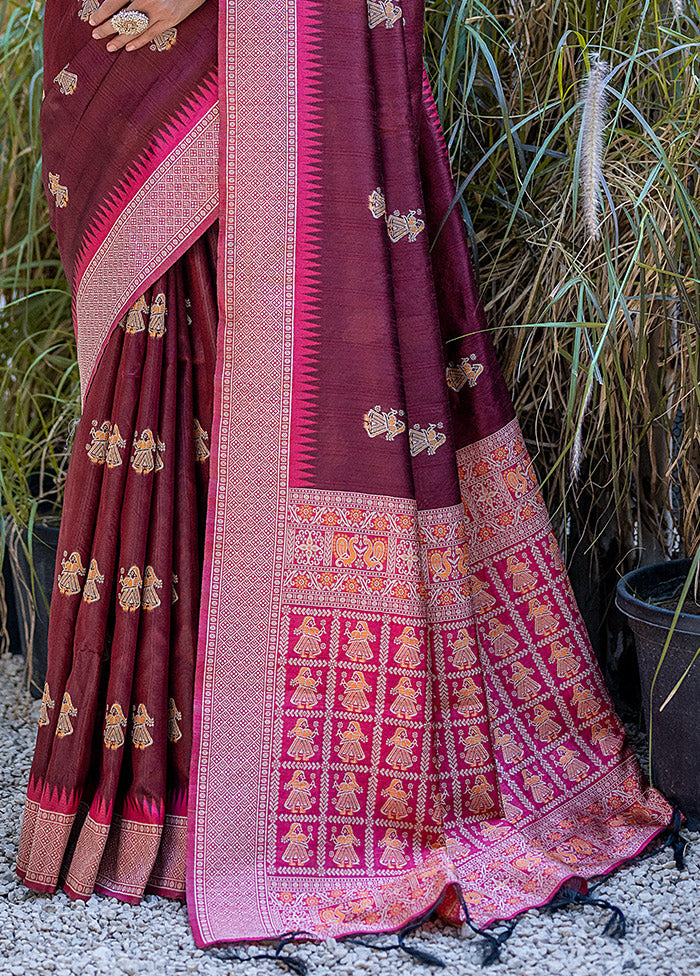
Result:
[[371, 681]]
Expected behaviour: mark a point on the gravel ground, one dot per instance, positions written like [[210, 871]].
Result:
[[104, 937]]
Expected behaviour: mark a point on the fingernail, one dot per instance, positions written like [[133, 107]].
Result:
[[94, 34], [130, 47], [111, 47], [92, 21]]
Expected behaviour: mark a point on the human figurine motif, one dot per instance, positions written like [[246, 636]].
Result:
[[480, 799], [606, 738], [567, 665], [547, 728], [135, 321], [395, 806], [141, 723], [469, 702], [393, 856], [574, 769], [482, 600], [174, 716], [95, 578], [158, 463], [462, 654], [302, 747], [383, 423], [541, 791], [144, 448], [499, 637], [116, 445], [344, 853], [524, 686], [407, 656], [68, 710], [58, 191], [115, 723], [354, 699], [47, 702], [404, 704], [305, 695], [350, 749], [151, 583], [156, 321], [130, 589], [201, 451], [359, 638], [346, 802], [401, 755], [67, 81], [518, 570], [511, 750], [71, 570], [173, 588], [99, 442], [474, 752], [296, 853], [438, 809], [309, 643], [299, 799], [586, 704], [545, 621]]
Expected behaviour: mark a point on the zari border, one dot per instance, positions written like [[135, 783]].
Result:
[[257, 70], [173, 206]]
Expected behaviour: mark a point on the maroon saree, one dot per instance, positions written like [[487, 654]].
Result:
[[394, 694]]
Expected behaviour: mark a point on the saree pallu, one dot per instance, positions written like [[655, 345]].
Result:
[[394, 695]]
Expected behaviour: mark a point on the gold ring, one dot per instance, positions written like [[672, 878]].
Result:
[[131, 22]]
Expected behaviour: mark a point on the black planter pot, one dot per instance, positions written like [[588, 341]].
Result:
[[647, 597], [32, 596]]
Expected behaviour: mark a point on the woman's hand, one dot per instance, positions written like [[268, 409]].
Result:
[[162, 14]]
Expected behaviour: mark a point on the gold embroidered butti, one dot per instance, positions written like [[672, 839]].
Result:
[[377, 203], [135, 321], [383, 423], [58, 190], [87, 7], [160, 450], [427, 439], [201, 451], [68, 711], [398, 225], [174, 716], [173, 591], [66, 81], [156, 323], [99, 442], [463, 371], [130, 589], [47, 702], [71, 570], [94, 577], [144, 447], [115, 723], [383, 12], [165, 40], [116, 441], [407, 225], [142, 722], [151, 583]]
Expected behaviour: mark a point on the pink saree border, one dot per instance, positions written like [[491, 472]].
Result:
[[257, 69], [162, 207]]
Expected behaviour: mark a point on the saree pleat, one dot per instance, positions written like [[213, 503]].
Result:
[[108, 788]]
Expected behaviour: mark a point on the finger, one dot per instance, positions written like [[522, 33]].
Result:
[[105, 11], [148, 35], [127, 40]]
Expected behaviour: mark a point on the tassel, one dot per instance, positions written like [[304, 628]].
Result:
[[420, 955], [492, 941], [673, 839], [615, 927], [292, 963]]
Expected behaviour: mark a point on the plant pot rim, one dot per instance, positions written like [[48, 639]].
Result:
[[636, 608]]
